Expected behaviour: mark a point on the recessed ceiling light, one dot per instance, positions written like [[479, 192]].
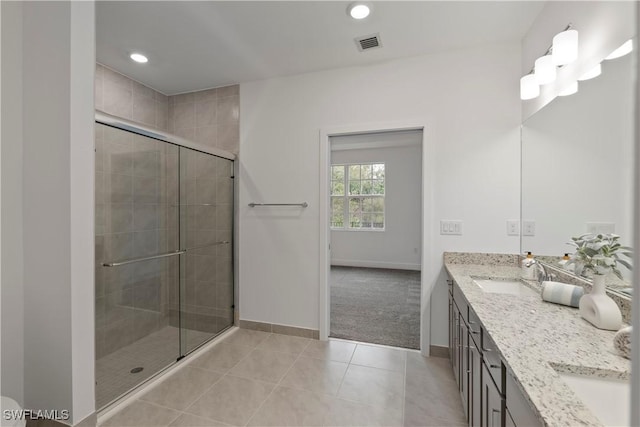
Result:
[[622, 50], [358, 10], [139, 58]]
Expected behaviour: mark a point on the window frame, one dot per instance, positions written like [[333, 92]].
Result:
[[346, 197]]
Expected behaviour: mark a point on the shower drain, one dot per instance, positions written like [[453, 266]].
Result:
[[136, 370]]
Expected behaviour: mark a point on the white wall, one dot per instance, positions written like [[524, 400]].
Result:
[[602, 27], [399, 245], [11, 191], [470, 103], [49, 154], [81, 208]]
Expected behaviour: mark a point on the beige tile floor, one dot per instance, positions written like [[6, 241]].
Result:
[[261, 379]]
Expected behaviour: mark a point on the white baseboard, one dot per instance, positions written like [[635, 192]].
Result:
[[375, 264]]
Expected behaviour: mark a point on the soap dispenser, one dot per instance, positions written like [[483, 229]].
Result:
[[564, 259], [528, 267]]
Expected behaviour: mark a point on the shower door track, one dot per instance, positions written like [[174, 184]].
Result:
[[119, 123]]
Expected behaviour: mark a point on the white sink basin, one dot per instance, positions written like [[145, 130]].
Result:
[[505, 286], [607, 398]]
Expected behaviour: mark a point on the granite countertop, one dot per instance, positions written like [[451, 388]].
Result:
[[536, 339]]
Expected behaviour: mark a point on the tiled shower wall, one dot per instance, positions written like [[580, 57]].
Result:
[[118, 95], [134, 301], [210, 117]]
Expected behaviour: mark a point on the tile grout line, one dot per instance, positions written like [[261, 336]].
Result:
[[346, 370], [279, 381]]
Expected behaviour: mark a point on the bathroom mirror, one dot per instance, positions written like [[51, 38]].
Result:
[[577, 167]]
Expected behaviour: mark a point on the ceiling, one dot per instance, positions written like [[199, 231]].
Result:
[[199, 45]]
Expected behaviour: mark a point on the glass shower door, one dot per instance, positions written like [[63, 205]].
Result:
[[137, 232], [206, 217]]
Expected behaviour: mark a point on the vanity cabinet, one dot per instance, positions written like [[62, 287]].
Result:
[[476, 364]]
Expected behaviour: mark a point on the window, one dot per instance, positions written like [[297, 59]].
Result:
[[357, 196]]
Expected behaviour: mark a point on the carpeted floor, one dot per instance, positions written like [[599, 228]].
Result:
[[374, 305]]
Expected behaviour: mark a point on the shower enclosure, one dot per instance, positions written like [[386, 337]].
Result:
[[164, 252]]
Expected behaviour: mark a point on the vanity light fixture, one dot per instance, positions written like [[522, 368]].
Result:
[[529, 88], [544, 70], [626, 48], [569, 90], [594, 72], [358, 10], [563, 51], [565, 47], [139, 58]]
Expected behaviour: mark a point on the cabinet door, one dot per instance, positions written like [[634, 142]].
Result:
[[464, 364], [451, 326], [455, 356], [475, 385], [492, 402], [508, 421]]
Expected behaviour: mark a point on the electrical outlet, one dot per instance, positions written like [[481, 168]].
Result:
[[513, 227], [601, 227], [451, 227], [528, 228]]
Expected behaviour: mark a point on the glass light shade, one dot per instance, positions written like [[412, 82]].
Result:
[[622, 50], [569, 90], [565, 47], [594, 72], [544, 70], [529, 88], [139, 58], [359, 10]]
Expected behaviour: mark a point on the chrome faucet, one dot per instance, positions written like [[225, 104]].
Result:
[[542, 273]]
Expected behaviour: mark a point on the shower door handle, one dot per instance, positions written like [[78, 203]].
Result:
[[131, 261]]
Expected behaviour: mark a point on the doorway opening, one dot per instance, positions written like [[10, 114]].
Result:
[[375, 232]]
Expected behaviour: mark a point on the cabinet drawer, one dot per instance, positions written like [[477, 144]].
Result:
[[492, 360], [474, 326], [461, 302]]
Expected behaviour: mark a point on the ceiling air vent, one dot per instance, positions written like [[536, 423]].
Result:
[[368, 42]]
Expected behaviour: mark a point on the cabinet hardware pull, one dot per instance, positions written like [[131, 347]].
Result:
[[475, 332], [494, 366]]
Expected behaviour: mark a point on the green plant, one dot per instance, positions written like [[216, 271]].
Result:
[[599, 254]]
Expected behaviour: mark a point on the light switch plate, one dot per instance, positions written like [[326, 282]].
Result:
[[451, 227], [528, 228], [601, 227], [513, 227]]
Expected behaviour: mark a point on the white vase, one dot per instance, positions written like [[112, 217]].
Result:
[[598, 308]]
